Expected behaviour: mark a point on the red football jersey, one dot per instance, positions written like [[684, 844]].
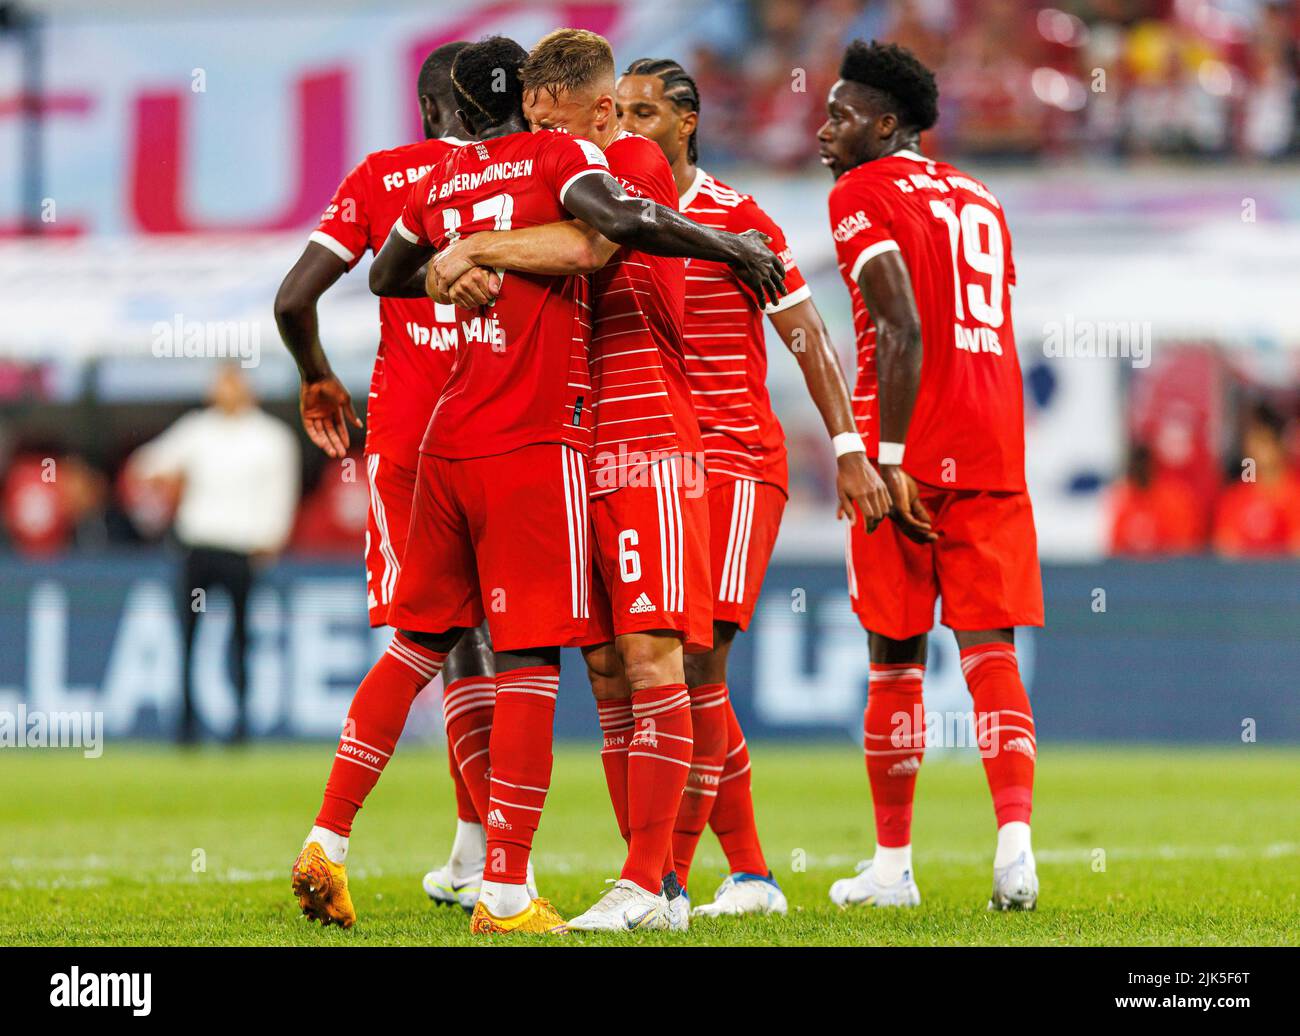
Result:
[[638, 367], [417, 339], [726, 350], [967, 430], [521, 373]]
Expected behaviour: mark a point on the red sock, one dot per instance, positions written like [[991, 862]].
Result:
[[375, 721], [616, 725], [1004, 724], [732, 819], [465, 808], [523, 728], [658, 760], [467, 711], [709, 732], [894, 728]]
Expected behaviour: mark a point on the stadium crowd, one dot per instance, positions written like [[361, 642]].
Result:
[[1094, 78]]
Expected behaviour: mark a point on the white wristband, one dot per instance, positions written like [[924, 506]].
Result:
[[891, 453], [848, 442]]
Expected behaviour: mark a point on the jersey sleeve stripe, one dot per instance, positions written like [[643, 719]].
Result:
[[869, 253], [407, 233], [335, 246], [577, 176], [800, 294]]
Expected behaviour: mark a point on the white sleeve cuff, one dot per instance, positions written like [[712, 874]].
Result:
[[786, 301], [869, 253], [406, 232], [333, 244], [577, 176]]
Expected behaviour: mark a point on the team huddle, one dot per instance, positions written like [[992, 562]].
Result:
[[570, 443]]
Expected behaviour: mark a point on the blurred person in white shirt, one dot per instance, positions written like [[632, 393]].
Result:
[[235, 470]]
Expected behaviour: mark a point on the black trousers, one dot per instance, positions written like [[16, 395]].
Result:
[[206, 569]]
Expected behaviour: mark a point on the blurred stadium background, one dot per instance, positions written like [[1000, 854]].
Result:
[[160, 171]]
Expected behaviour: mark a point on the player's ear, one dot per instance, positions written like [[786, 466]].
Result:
[[886, 125], [687, 125]]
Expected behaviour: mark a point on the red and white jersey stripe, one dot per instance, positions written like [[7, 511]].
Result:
[[642, 400], [726, 351]]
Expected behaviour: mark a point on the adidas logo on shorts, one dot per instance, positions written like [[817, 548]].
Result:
[[498, 819], [642, 604]]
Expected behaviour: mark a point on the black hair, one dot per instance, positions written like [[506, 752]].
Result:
[[679, 88], [435, 74], [904, 84], [485, 80], [1265, 416]]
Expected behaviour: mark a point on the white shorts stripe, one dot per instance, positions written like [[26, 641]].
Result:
[[391, 565]]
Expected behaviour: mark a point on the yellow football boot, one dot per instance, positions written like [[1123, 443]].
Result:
[[322, 887], [538, 917]]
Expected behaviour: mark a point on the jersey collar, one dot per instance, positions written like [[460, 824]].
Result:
[[689, 195], [453, 140], [906, 153]]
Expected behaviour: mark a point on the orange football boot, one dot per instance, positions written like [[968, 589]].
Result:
[[538, 917], [322, 887]]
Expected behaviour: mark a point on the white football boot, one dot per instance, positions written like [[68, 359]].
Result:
[[744, 894], [1015, 886], [448, 889], [626, 907], [863, 889], [679, 912]]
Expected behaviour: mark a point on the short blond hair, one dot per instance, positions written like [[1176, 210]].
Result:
[[567, 59]]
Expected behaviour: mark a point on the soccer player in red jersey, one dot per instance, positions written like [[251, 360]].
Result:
[[926, 255], [499, 522], [417, 344], [649, 512], [726, 365]]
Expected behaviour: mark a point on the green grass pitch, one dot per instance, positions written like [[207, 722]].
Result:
[[1136, 845]]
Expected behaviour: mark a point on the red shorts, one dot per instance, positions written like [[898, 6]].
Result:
[[650, 557], [502, 537], [984, 566], [744, 517], [391, 489]]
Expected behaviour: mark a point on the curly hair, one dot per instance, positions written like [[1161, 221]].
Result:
[[485, 80], [894, 72]]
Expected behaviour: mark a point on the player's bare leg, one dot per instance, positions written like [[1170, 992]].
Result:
[[370, 734], [527, 682], [1004, 725], [469, 694], [894, 745], [658, 760], [718, 790]]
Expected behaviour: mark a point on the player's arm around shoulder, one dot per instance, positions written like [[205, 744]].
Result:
[[551, 250]]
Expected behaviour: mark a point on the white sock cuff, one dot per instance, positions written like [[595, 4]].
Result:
[[334, 844]]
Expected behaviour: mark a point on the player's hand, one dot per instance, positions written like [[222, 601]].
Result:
[[326, 409], [860, 487], [476, 287], [907, 512], [447, 267], [758, 266]]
